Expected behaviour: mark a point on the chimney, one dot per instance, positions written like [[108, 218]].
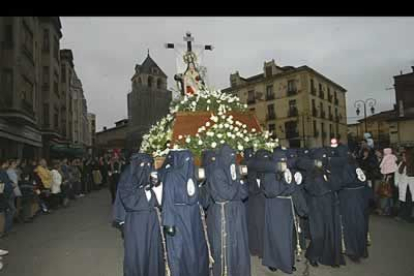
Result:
[[104, 128], [400, 72]]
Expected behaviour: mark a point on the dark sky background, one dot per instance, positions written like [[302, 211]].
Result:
[[361, 54]]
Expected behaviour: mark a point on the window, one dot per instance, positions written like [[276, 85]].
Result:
[[63, 73], [330, 113], [139, 81], [8, 36], [323, 130], [271, 108], [46, 121], [331, 131], [56, 49], [314, 111], [320, 87], [27, 41], [46, 41], [56, 118], [7, 86], [27, 93], [149, 81], [313, 89], [322, 110], [291, 86], [291, 129], [46, 76], [315, 128], [159, 83], [252, 109], [293, 111], [250, 97], [269, 92], [272, 128], [268, 71], [56, 88]]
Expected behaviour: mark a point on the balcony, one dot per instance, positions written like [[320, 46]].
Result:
[[270, 116], [336, 101], [293, 112], [314, 112], [270, 97], [313, 90], [321, 94], [292, 134], [323, 114], [251, 101], [292, 92]]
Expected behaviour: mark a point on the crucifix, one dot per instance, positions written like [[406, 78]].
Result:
[[191, 80]]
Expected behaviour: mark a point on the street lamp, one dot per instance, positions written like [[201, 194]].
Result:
[[370, 102]]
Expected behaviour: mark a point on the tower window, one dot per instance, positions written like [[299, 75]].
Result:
[[159, 83], [150, 81]]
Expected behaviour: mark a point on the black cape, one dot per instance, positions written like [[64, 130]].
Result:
[[226, 215], [142, 240], [187, 248]]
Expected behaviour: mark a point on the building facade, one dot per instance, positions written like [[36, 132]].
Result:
[[20, 94], [299, 105], [113, 138], [92, 130], [35, 103], [148, 101]]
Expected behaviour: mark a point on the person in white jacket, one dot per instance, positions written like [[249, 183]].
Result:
[[405, 184], [56, 183]]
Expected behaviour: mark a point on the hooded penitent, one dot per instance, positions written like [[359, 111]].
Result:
[[324, 218], [226, 215], [186, 243], [142, 240]]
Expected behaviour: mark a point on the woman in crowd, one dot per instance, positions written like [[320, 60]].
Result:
[[43, 185], [96, 174], [388, 167], [404, 181], [4, 191]]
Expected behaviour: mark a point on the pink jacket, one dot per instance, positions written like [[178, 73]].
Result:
[[389, 162]]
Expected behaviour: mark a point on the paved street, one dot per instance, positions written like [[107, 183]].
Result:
[[80, 241]]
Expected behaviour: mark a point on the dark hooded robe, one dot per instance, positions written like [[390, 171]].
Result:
[[226, 215], [278, 251], [136, 206], [354, 204], [324, 217], [186, 240], [256, 204]]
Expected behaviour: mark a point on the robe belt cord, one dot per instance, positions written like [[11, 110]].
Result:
[[164, 245], [223, 256], [355, 188], [295, 223], [210, 257]]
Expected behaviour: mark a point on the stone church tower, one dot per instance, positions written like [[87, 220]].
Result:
[[148, 101]]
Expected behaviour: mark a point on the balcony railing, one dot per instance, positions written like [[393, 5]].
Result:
[[293, 112], [251, 101], [270, 97], [321, 94], [270, 116], [292, 134], [292, 92]]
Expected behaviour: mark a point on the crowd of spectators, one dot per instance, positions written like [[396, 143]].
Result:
[[29, 188]]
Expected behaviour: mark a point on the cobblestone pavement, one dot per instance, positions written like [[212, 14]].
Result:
[[80, 241]]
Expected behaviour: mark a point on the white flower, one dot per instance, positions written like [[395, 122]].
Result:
[[253, 130], [246, 139], [188, 140], [245, 105], [208, 124], [229, 134], [220, 126], [222, 142], [236, 129], [208, 101], [245, 131], [226, 125], [180, 137], [231, 127], [200, 142], [176, 146], [214, 118], [219, 135], [215, 126], [210, 133], [239, 147], [214, 145]]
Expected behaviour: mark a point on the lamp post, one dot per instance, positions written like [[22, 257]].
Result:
[[370, 102]]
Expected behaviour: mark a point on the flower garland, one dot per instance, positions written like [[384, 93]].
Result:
[[218, 130]]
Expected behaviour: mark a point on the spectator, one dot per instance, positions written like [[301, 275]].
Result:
[[404, 181], [114, 174], [388, 167], [28, 195], [6, 218], [16, 198], [75, 178], [56, 197], [44, 184], [96, 174]]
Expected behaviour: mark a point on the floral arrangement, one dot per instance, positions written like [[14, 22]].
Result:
[[220, 129]]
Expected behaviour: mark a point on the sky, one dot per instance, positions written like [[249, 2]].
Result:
[[362, 54]]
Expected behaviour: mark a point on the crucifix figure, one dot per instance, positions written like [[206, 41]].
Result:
[[191, 80]]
